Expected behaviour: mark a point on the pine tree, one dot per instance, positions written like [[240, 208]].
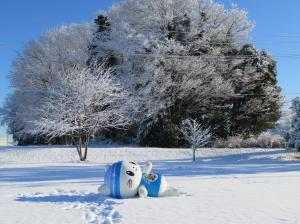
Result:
[[256, 106], [294, 140], [102, 34]]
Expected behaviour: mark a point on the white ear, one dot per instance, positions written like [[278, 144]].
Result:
[[143, 193], [147, 168], [104, 190]]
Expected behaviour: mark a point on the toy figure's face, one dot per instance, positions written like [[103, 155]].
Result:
[[130, 178]]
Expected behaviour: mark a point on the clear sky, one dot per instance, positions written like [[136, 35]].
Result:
[[277, 30]]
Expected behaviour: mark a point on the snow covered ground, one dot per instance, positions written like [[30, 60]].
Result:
[[49, 185]]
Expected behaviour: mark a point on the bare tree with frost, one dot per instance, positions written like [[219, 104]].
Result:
[[35, 69], [195, 134], [81, 102]]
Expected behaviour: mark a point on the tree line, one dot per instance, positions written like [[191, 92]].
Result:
[[139, 71]]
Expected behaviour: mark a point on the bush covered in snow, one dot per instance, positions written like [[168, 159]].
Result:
[[263, 141], [233, 142], [249, 142], [270, 141]]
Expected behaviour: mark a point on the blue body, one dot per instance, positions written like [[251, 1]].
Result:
[[152, 186], [112, 179]]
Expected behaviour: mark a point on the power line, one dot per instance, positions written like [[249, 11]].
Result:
[[192, 31], [293, 36], [232, 94], [221, 57]]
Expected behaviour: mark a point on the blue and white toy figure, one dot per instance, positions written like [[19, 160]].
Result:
[[127, 179]]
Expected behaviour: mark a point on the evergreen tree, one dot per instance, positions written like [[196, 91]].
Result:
[[256, 106], [294, 140], [101, 34]]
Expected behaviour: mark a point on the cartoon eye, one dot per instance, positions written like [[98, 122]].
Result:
[[132, 163], [130, 173]]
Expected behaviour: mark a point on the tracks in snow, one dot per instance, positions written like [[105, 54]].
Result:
[[96, 209]]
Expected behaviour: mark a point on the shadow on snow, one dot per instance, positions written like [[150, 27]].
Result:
[[51, 173], [245, 163], [65, 198]]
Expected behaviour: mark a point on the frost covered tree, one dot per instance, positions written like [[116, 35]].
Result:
[[79, 103], [35, 69], [183, 59], [295, 130], [256, 106], [195, 134]]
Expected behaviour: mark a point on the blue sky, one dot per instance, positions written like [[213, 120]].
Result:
[[277, 30]]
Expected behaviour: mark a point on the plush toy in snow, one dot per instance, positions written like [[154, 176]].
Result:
[[127, 179]]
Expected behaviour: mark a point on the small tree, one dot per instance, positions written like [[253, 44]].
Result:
[[195, 134], [295, 130], [81, 102]]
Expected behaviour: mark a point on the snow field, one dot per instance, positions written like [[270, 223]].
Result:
[[49, 185]]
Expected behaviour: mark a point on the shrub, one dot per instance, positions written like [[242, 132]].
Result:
[[234, 142], [271, 141], [249, 143], [263, 141], [278, 141]]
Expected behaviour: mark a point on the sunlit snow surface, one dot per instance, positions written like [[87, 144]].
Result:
[[49, 185]]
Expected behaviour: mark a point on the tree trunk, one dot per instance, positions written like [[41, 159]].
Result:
[[85, 151], [80, 154], [83, 155], [78, 145], [79, 150], [194, 154], [85, 141]]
